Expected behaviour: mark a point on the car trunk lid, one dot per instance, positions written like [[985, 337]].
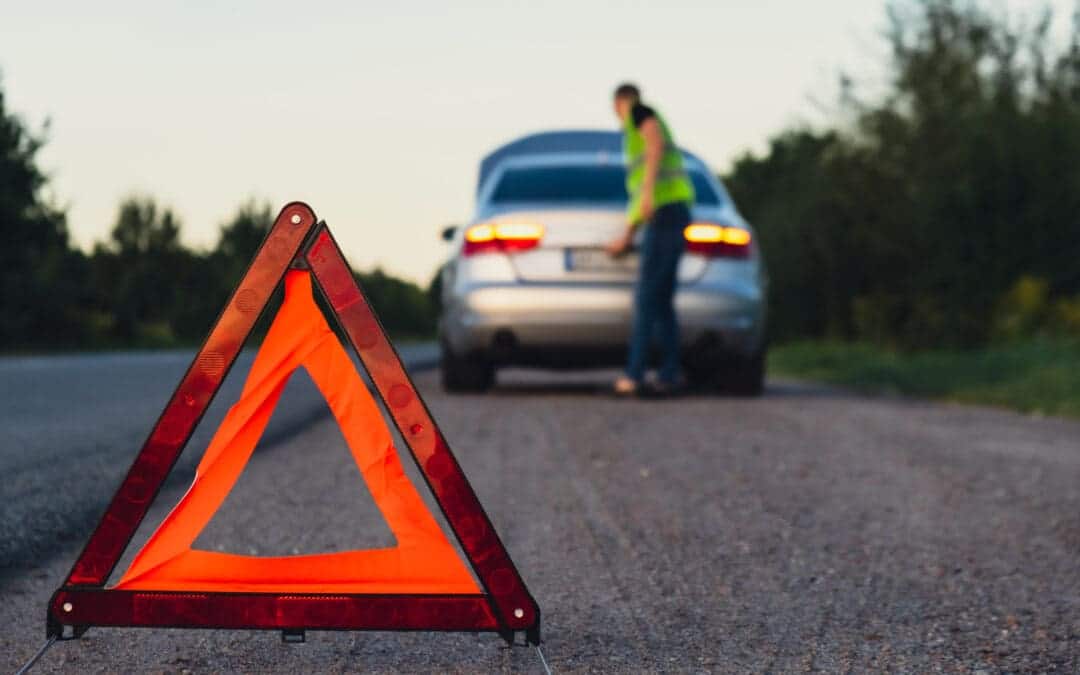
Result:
[[572, 249]]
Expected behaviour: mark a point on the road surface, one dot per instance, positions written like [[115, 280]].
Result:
[[811, 530], [74, 423]]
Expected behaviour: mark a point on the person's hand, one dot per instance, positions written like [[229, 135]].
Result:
[[620, 245], [647, 205]]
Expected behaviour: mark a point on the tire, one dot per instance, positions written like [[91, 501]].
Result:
[[735, 375], [703, 378], [465, 374], [746, 376]]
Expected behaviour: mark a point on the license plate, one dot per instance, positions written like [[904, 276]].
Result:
[[598, 260]]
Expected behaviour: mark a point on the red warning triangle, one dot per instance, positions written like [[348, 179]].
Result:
[[420, 584]]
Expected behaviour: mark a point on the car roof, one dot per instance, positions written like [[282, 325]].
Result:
[[570, 142]]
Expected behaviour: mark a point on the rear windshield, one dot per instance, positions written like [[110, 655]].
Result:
[[579, 185]]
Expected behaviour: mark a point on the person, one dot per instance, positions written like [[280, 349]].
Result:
[[660, 195]]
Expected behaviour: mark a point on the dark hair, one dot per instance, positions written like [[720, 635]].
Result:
[[628, 90]]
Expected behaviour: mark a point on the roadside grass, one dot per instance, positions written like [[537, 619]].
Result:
[[1039, 376]]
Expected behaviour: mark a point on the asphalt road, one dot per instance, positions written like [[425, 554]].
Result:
[[809, 530], [72, 425]]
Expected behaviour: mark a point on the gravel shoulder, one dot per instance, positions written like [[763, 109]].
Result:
[[809, 530]]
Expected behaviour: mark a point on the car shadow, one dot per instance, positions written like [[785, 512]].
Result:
[[551, 389], [574, 384]]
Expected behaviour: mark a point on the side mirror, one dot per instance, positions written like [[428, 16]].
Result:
[[448, 232]]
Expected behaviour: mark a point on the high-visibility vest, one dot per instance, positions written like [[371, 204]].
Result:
[[672, 182]]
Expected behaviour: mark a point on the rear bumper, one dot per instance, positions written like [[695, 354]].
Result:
[[531, 323]]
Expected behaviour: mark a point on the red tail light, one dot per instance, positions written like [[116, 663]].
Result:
[[507, 237], [717, 241]]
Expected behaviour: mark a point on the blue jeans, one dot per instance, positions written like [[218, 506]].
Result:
[[654, 295]]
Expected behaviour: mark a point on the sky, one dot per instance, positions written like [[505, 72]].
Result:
[[377, 114]]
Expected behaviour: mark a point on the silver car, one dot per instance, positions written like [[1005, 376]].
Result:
[[529, 283]]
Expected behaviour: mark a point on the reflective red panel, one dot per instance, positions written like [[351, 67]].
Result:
[[273, 611], [192, 397]]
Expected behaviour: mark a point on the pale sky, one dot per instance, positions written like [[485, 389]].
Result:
[[378, 113]]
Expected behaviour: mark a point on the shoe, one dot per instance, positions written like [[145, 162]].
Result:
[[625, 387]]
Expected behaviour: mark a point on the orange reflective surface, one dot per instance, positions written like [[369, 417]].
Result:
[[423, 560]]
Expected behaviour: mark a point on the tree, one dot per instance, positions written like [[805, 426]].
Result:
[[240, 238], [403, 307], [41, 277], [141, 274], [907, 222]]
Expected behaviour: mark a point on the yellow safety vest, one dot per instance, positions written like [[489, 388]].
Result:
[[672, 184]]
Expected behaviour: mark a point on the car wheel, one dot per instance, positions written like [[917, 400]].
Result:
[[746, 376], [702, 378], [463, 374]]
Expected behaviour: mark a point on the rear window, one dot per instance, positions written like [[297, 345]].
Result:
[[566, 184], [704, 193], [579, 185]]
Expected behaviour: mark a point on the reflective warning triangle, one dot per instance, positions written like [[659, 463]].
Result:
[[420, 584]]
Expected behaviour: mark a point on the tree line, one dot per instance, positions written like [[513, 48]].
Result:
[[141, 287], [945, 212]]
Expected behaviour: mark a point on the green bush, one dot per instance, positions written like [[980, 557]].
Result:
[[1028, 309], [1066, 316], [1024, 309]]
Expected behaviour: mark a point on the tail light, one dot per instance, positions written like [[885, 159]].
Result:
[[508, 237], [717, 241]]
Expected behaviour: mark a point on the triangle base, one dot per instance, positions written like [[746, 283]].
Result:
[[82, 608], [85, 607]]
